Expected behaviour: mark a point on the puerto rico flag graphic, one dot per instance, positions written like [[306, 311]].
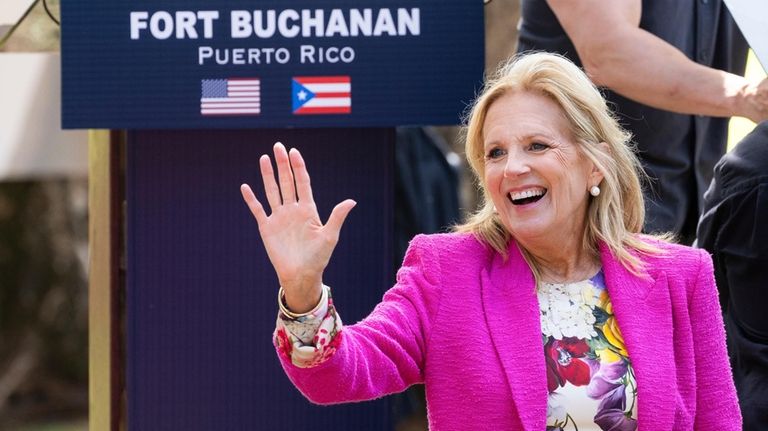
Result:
[[322, 95], [233, 96]]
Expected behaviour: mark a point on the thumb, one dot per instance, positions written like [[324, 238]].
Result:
[[338, 215]]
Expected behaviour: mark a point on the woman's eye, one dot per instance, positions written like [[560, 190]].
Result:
[[494, 153], [538, 146]]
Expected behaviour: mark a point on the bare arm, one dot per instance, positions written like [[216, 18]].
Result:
[[618, 54]]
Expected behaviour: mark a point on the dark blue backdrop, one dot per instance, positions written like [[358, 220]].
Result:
[[111, 81], [201, 294]]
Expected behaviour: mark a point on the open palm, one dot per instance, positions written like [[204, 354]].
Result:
[[298, 244]]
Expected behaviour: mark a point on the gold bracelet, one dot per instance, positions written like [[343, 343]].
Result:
[[284, 308]]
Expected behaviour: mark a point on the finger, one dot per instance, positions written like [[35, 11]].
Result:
[[338, 215], [255, 206], [303, 186], [284, 174], [270, 186]]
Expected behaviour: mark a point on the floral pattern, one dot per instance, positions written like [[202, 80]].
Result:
[[586, 360], [312, 338]]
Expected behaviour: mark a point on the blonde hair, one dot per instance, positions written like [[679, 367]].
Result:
[[615, 216]]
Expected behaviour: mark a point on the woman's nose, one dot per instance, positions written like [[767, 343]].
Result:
[[516, 166]]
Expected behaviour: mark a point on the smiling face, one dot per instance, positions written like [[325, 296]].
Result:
[[534, 173]]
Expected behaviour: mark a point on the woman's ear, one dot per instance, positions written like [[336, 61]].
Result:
[[596, 176]]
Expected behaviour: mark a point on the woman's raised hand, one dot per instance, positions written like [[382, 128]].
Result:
[[298, 244]]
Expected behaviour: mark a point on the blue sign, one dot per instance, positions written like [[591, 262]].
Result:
[[138, 64]]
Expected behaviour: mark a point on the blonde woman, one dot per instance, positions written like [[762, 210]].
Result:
[[546, 310]]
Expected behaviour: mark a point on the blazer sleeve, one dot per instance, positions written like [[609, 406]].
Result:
[[384, 353], [717, 407]]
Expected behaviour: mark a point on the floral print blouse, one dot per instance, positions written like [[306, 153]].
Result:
[[309, 338], [590, 379]]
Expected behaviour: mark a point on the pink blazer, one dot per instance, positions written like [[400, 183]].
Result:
[[466, 323]]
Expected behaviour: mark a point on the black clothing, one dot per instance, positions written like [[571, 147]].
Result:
[[734, 228], [678, 151], [426, 187]]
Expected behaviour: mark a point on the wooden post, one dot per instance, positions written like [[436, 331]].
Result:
[[105, 350]]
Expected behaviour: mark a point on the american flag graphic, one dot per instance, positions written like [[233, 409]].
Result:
[[322, 95], [233, 96]]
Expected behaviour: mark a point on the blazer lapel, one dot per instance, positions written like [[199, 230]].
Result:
[[512, 315], [643, 310]]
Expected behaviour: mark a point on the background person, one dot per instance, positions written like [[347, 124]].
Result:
[[545, 309], [733, 228], [671, 69]]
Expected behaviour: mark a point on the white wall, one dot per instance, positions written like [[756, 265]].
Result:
[[32, 143]]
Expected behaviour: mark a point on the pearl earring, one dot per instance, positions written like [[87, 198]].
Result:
[[594, 191]]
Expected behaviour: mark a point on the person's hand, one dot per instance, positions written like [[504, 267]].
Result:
[[297, 243], [757, 101]]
